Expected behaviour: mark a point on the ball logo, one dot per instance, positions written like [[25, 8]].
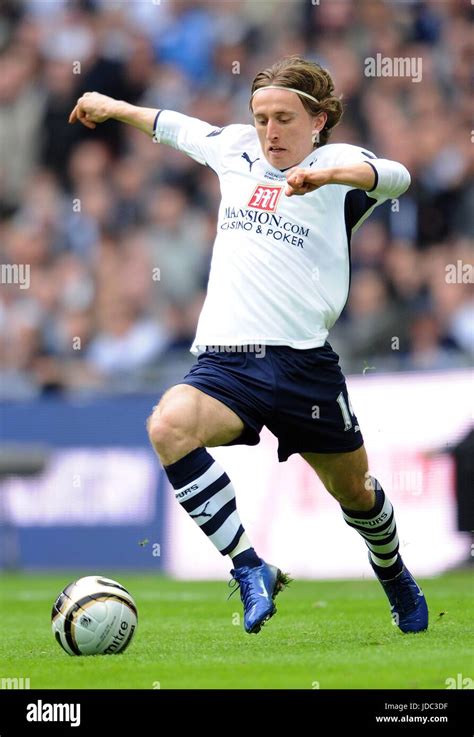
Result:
[[117, 642], [265, 198]]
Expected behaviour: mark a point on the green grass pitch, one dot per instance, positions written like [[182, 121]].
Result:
[[327, 634]]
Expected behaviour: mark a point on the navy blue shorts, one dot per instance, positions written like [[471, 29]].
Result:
[[299, 395]]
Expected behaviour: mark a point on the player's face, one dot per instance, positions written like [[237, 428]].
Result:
[[284, 127]]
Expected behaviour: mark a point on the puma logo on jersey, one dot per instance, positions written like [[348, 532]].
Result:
[[250, 162], [265, 197]]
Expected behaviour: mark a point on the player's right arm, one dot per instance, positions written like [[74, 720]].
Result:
[[93, 108]]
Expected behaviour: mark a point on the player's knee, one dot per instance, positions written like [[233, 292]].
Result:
[[351, 491], [172, 433], [165, 430], [354, 494]]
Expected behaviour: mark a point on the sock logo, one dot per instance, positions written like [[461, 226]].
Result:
[[186, 491], [372, 522], [203, 513], [379, 519]]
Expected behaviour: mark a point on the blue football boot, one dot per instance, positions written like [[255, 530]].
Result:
[[258, 588], [408, 603]]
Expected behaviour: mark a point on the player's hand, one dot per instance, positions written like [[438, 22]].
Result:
[[92, 108], [301, 181]]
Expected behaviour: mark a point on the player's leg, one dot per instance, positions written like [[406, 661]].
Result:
[[364, 504], [183, 424], [345, 476], [368, 510]]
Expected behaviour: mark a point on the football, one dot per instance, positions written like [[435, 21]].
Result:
[[94, 616]]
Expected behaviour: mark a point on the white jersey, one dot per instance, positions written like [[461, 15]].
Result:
[[280, 269]]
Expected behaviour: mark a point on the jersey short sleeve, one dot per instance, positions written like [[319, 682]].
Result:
[[391, 178], [201, 141]]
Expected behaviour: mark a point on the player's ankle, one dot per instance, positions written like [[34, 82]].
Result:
[[247, 558]]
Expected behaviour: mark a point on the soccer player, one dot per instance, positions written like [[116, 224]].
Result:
[[279, 280]]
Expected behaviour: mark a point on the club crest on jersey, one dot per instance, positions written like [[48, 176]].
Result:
[[265, 197]]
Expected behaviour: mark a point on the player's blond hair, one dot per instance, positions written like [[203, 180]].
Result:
[[307, 76]]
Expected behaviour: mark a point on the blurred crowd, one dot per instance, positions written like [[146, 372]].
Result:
[[118, 232]]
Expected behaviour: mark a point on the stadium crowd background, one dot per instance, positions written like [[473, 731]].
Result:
[[100, 214]]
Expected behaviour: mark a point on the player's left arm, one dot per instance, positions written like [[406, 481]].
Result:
[[382, 177]]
